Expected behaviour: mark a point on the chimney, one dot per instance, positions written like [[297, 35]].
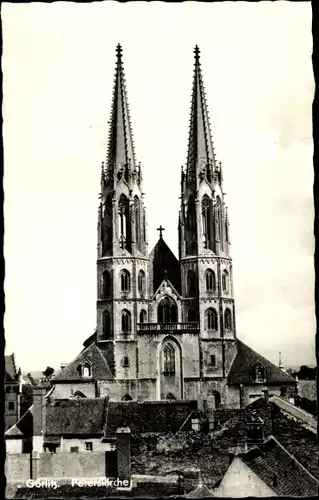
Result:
[[39, 414], [280, 362], [62, 365]]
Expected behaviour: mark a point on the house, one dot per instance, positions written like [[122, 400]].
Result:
[[267, 470], [166, 326], [12, 390]]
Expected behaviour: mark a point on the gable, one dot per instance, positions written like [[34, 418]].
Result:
[[164, 265], [90, 355], [242, 370]]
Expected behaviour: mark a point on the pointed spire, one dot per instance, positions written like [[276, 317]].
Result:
[[200, 144], [120, 147]]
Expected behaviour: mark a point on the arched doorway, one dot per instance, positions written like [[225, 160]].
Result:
[[171, 381]]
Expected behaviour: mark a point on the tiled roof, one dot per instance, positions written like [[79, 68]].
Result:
[[242, 369], [164, 261], [11, 371], [100, 368], [13, 432], [280, 470], [24, 426], [76, 417]]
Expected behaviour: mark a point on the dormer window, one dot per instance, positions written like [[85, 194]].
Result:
[[259, 373], [85, 370]]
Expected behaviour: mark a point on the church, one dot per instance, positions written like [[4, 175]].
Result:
[[166, 327]]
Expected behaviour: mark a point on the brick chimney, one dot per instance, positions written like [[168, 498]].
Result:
[[39, 413]]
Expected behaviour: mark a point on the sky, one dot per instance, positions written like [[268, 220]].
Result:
[[58, 67]]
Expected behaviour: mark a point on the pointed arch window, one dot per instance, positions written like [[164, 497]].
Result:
[[191, 235], [220, 222], [228, 319], [210, 280], [141, 282], [107, 225], [106, 284], [125, 281], [169, 359], [206, 220], [106, 325], [191, 283], [126, 321], [124, 222], [143, 316], [225, 281], [127, 397], [167, 311], [137, 217], [211, 319]]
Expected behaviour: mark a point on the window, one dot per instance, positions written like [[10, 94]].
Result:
[[143, 316], [211, 319], [74, 449], [127, 397], [125, 362], [86, 371], [217, 399], [259, 370], [88, 446], [170, 396], [169, 359], [107, 226], [206, 221], [141, 282], [228, 319], [191, 243], [191, 283], [106, 285], [126, 321], [11, 405], [212, 360], [218, 215], [125, 281], [124, 222], [210, 281], [137, 220], [167, 311], [8, 389], [225, 281], [106, 325]]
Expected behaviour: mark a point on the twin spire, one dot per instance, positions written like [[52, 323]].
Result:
[[121, 152], [121, 145]]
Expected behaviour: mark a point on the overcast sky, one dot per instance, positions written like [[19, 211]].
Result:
[[58, 64]]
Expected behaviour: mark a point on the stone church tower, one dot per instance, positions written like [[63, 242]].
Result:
[[166, 327], [122, 265]]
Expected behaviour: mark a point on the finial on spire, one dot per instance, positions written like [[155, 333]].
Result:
[[197, 53], [119, 51], [160, 229]]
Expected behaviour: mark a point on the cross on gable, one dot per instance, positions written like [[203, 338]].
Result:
[[160, 229]]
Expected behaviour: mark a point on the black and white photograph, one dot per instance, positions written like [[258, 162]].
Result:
[[159, 250]]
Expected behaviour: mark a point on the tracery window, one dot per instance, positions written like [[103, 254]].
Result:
[[167, 311], [211, 319], [125, 281], [124, 221], [126, 321], [225, 281], [191, 283], [210, 280], [141, 282], [143, 316], [228, 319], [169, 359], [137, 220], [106, 284], [206, 220]]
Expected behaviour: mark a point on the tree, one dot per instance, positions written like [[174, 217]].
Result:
[[48, 371]]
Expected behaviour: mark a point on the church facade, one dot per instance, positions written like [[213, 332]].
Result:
[[166, 327]]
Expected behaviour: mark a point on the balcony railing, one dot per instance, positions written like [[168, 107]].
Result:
[[192, 326]]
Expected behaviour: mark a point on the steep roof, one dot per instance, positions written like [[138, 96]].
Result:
[[24, 426], [280, 470], [100, 367], [76, 417], [201, 491], [164, 264], [242, 369], [11, 372]]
